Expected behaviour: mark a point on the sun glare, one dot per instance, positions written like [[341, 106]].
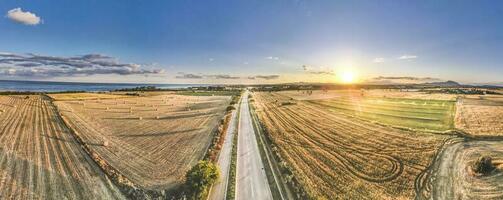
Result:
[[347, 77]]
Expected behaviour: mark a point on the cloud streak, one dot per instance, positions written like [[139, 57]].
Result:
[[27, 18], [33, 65], [407, 57], [322, 71], [272, 58], [378, 60], [184, 75], [265, 77], [188, 76], [222, 76]]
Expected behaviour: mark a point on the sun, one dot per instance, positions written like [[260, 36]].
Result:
[[347, 77]]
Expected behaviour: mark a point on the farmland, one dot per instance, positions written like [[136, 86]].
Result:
[[480, 115], [453, 178], [39, 158], [331, 151], [434, 115], [83, 96], [415, 112], [152, 140]]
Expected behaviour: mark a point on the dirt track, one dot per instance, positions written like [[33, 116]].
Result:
[[452, 178]]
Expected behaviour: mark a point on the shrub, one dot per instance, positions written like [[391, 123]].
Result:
[[200, 178], [230, 108], [483, 165]]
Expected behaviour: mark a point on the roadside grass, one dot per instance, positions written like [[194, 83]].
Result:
[[231, 182], [417, 114]]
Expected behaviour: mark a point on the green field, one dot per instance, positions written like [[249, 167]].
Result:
[[436, 115]]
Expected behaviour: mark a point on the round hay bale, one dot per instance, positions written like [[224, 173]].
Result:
[[106, 143], [140, 118], [157, 117]]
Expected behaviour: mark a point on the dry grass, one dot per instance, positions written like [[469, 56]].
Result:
[[335, 156], [39, 158], [83, 96], [480, 115], [331, 94], [151, 140]]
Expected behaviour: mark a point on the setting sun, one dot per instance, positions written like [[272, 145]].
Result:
[[347, 77]]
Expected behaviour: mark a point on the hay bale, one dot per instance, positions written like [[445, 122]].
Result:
[[140, 118], [106, 143], [157, 117]]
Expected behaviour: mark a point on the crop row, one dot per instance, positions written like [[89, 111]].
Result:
[[332, 154]]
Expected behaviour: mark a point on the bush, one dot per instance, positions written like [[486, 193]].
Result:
[[200, 178], [230, 108], [483, 165]]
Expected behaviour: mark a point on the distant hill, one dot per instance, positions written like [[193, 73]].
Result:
[[442, 84]]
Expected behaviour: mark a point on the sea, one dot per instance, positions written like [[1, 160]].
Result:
[[46, 86]]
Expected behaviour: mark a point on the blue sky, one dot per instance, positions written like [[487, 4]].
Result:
[[256, 41]]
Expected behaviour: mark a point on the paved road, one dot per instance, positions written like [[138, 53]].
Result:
[[219, 190], [251, 180]]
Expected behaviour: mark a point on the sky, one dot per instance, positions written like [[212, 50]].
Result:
[[239, 41]]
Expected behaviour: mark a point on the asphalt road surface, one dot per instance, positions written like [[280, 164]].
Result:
[[219, 190], [251, 180]]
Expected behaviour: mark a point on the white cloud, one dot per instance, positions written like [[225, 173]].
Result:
[[26, 18], [320, 71], [378, 60], [407, 57], [272, 58], [32, 65], [211, 59]]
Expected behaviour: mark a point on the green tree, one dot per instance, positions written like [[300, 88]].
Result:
[[483, 165], [200, 178]]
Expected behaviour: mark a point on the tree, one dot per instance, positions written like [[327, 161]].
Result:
[[200, 178], [483, 165]]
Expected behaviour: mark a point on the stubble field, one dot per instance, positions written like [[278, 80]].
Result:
[[151, 140], [39, 158], [335, 155], [480, 115]]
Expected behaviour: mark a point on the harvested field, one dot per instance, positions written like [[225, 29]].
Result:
[[453, 177], [419, 114], [150, 140], [330, 153], [83, 96], [436, 115], [210, 93], [480, 115], [331, 94], [40, 159]]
